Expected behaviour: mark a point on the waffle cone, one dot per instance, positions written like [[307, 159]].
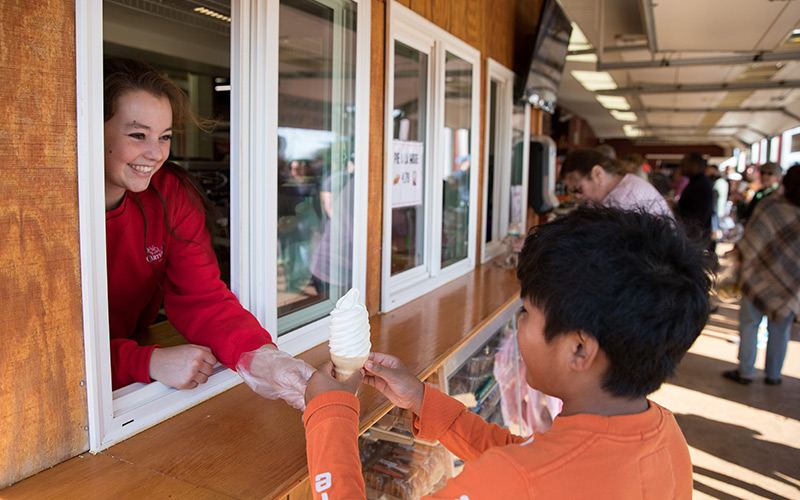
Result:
[[345, 367]]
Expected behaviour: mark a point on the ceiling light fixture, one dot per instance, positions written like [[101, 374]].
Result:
[[212, 13], [624, 116], [579, 42], [594, 80], [613, 102], [632, 131]]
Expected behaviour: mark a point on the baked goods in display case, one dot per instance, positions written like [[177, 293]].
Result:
[[396, 466], [474, 384]]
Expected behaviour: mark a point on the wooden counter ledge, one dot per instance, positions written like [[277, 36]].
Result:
[[239, 445]]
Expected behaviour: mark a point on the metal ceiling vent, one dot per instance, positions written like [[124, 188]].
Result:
[[210, 15]]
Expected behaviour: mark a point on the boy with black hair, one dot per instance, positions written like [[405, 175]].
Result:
[[613, 300]]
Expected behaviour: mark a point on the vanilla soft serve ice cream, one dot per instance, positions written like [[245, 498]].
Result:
[[349, 335]]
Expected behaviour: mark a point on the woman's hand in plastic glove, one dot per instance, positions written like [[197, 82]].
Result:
[[182, 366], [387, 374], [324, 380], [275, 374]]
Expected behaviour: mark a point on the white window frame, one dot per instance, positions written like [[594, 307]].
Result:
[[526, 151], [263, 211], [504, 79], [418, 40], [115, 416], [413, 30]]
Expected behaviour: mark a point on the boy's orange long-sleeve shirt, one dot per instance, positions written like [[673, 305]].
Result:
[[642, 456]]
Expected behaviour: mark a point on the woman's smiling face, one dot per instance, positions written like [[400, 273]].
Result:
[[137, 140]]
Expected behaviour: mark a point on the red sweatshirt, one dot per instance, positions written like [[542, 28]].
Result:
[[143, 270], [581, 456]]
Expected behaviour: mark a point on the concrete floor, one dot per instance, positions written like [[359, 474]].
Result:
[[744, 440]]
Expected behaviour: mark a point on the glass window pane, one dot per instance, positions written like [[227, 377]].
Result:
[[204, 74], [456, 162], [517, 166], [491, 214], [315, 158], [408, 185], [193, 51]]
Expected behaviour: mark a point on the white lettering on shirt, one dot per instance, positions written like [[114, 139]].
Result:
[[323, 482]]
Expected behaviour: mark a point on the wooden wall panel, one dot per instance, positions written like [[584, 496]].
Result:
[[377, 95], [498, 17], [473, 24], [421, 7], [42, 402], [458, 18], [440, 13]]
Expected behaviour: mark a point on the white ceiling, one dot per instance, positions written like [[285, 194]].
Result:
[[692, 77]]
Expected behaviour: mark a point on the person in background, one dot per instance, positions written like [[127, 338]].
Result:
[[770, 175], [607, 150], [719, 186], [638, 165], [331, 262], [596, 332], [298, 217], [696, 204], [602, 181], [770, 280], [660, 180], [159, 252]]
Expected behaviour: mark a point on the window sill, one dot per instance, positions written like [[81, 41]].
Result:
[[240, 445]]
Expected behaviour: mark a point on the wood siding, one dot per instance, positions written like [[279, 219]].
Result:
[[42, 400], [377, 104]]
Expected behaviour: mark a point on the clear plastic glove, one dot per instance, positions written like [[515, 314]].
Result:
[[275, 374]]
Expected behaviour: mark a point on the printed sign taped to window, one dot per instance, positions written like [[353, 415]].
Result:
[[406, 173], [795, 143], [515, 224]]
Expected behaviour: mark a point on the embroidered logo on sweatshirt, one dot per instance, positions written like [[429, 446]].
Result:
[[154, 253]]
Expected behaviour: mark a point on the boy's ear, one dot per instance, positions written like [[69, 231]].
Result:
[[584, 349]]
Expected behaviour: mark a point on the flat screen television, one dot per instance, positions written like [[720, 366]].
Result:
[[542, 58]]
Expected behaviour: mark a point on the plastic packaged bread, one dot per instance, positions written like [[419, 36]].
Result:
[[403, 471]]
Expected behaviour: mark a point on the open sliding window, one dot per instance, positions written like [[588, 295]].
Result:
[[431, 181], [287, 82], [497, 159]]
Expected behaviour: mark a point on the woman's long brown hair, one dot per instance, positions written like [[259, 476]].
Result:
[[127, 75]]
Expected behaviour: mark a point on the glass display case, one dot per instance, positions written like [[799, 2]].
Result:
[[485, 373], [485, 376]]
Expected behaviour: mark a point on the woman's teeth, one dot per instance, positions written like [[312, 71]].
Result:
[[142, 168]]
